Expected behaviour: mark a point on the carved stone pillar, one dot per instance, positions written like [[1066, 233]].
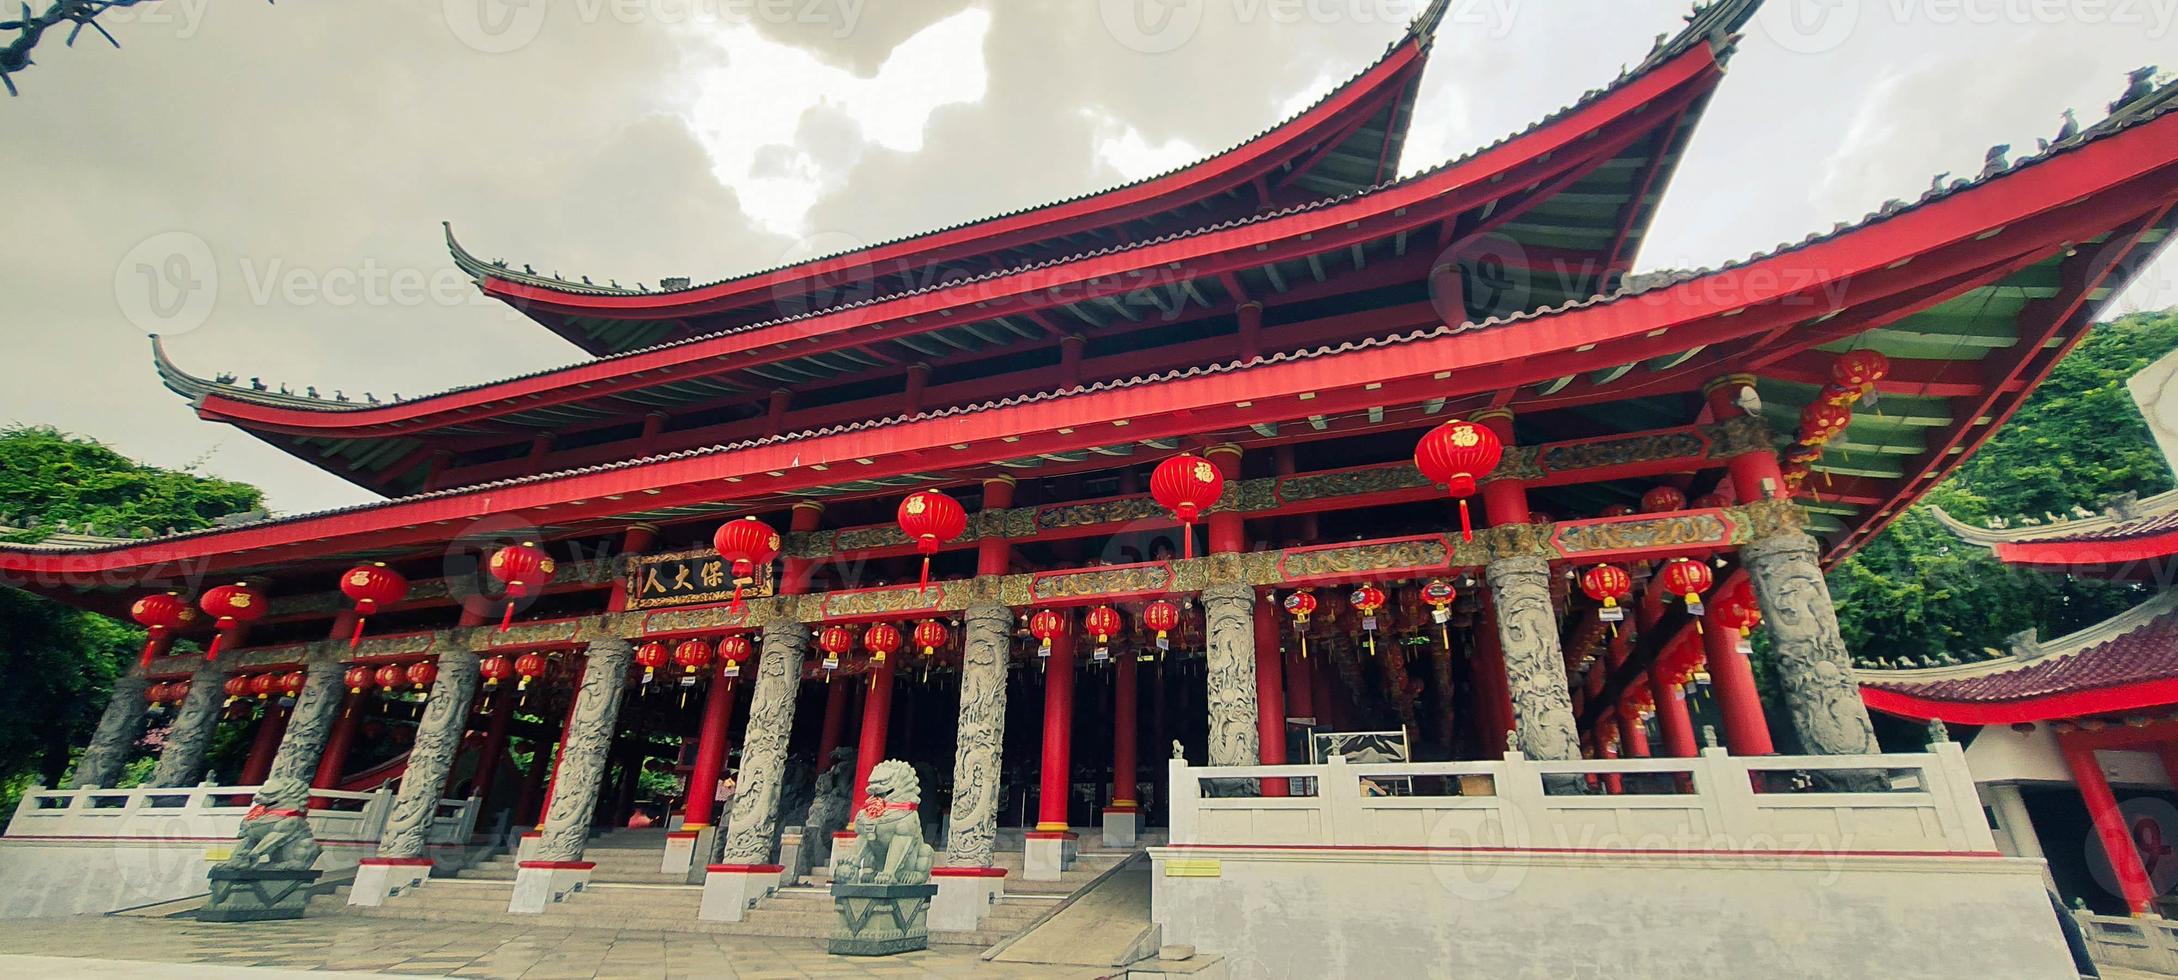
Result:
[[1228, 609], [1813, 664], [1527, 631], [118, 729], [583, 755], [982, 734], [309, 722], [181, 763], [764, 747], [430, 757]]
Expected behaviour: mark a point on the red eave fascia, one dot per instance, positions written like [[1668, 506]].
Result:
[[2139, 165], [859, 325], [2089, 553], [2122, 698], [1232, 168]]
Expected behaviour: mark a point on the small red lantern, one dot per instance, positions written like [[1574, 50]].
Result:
[[155, 695], [1618, 510], [650, 656], [694, 657], [264, 684], [1737, 609], [1188, 486], [292, 682], [1457, 454], [391, 677], [525, 569], [835, 641], [160, 613], [1103, 623], [1439, 594], [1663, 500], [930, 519], [1046, 625], [1299, 605], [1688, 579], [230, 606], [422, 673], [530, 666], [930, 634], [1608, 584], [1164, 617], [1366, 600], [748, 544], [358, 679], [237, 688], [371, 586], [1821, 422], [177, 692], [1859, 370], [494, 670], [882, 640], [735, 650]]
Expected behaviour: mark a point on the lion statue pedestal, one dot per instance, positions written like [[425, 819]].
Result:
[[883, 896], [269, 874]]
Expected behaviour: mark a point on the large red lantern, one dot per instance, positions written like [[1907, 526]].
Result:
[[1045, 626], [1366, 600], [161, 613], [748, 544], [237, 688], [230, 606], [1663, 500], [930, 519], [494, 670], [882, 640], [835, 642], [1299, 605], [735, 650], [530, 666], [1103, 623], [693, 657], [422, 673], [358, 679], [1457, 454], [1687, 579], [1187, 486], [372, 586], [930, 634], [650, 656], [1608, 584], [390, 678], [264, 684], [1164, 617], [525, 570]]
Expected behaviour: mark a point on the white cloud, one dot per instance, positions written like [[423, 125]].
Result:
[[1124, 149]]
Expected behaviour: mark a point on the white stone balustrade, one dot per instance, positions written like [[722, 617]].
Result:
[[211, 813]]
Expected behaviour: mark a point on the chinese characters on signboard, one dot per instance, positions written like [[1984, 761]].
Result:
[[688, 578]]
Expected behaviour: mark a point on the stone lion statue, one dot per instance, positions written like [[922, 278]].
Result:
[[275, 833], [890, 830], [828, 808]]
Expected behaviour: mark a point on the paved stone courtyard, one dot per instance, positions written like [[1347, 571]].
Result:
[[395, 947]]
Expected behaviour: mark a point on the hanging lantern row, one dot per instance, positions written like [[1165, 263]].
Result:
[[1458, 454], [372, 587], [1853, 378], [1188, 486]]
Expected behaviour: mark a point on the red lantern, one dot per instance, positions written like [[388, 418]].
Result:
[[650, 656], [1859, 370], [494, 670], [1103, 623], [1164, 617], [371, 586], [231, 606], [930, 634], [882, 640], [237, 688], [525, 569], [263, 685], [161, 613], [390, 678], [1821, 422], [358, 679], [1187, 486], [835, 641], [291, 683], [748, 544], [693, 656], [1366, 600], [155, 694], [1737, 609], [1457, 454], [530, 666], [1299, 605], [1688, 579], [930, 519], [422, 673], [1608, 584], [1045, 625], [1439, 594], [1663, 500], [1709, 501], [735, 650], [1618, 510]]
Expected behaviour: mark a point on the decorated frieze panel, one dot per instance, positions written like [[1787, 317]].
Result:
[[530, 636], [1697, 529], [1737, 435], [262, 657], [1645, 447], [1119, 581], [396, 645], [1419, 555], [1098, 513], [685, 578], [702, 619], [886, 601], [1350, 483]]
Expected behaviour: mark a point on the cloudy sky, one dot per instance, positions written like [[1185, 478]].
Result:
[[264, 184]]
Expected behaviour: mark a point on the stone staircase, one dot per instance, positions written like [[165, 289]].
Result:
[[627, 892]]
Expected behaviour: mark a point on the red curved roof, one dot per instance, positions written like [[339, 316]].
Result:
[[2126, 542], [2135, 669]]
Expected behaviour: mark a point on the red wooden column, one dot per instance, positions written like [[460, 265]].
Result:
[[1125, 765], [494, 748], [2117, 838], [265, 744], [1731, 676], [835, 723], [1058, 781], [718, 715], [334, 760], [794, 572], [1227, 535], [1633, 737], [1270, 692], [994, 554], [1503, 501], [1494, 688], [876, 719], [1672, 719], [1755, 475]]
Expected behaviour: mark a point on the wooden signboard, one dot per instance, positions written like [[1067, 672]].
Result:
[[688, 578]]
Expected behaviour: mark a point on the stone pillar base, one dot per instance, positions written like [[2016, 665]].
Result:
[[791, 864], [541, 884], [881, 920], [965, 896], [526, 848], [1044, 854], [844, 849], [680, 850], [729, 890], [1119, 824], [378, 879]]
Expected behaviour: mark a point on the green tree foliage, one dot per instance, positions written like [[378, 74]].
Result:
[[61, 662], [1919, 593]]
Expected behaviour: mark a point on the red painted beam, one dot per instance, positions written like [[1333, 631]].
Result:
[[2141, 696]]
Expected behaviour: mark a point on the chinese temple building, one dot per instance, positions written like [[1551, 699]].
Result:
[[1164, 464]]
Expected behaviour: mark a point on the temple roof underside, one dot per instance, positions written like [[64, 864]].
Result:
[[2127, 663]]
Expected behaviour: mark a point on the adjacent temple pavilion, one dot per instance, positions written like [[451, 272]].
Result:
[[1622, 472]]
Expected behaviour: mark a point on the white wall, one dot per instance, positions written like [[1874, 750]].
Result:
[[72, 878]]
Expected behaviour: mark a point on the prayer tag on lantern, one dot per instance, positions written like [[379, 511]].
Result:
[[730, 670]]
